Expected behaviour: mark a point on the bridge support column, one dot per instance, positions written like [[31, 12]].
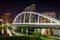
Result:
[[35, 30], [51, 22], [26, 31], [2, 31], [30, 18], [22, 30], [51, 29]]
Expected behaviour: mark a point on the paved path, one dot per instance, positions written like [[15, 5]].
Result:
[[56, 37]]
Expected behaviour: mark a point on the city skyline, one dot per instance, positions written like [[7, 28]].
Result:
[[16, 7]]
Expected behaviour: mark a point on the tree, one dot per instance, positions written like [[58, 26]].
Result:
[[0, 23]]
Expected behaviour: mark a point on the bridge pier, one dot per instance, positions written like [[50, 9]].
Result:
[[26, 31], [22, 30], [2, 31], [35, 30]]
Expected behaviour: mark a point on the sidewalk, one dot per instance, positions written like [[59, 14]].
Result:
[[56, 37]]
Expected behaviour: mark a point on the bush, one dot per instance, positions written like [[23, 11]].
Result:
[[24, 38], [20, 38]]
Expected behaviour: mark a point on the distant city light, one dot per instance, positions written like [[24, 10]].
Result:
[[59, 17]]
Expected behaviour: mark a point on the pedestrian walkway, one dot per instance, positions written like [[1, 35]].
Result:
[[55, 37]]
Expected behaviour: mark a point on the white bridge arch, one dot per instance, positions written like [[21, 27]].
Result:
[[21, 19]]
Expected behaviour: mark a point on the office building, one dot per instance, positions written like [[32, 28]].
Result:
[[47, 31]]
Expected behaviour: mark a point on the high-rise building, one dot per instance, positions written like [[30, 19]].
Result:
[[47, 31], [7, 18], [30, 8], [51, 14]]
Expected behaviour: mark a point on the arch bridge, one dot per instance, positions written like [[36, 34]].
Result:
[[35, 19]]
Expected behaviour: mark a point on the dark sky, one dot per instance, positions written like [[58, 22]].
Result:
[[15, 6]]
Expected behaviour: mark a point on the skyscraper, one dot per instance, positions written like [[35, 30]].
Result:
[[30, 8]]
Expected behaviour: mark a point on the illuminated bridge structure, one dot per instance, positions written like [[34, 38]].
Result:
[[34, 19]]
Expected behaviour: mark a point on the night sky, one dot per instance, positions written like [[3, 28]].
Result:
[[15, 7]]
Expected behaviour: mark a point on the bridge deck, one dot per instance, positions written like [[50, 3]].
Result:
[[49, 25]]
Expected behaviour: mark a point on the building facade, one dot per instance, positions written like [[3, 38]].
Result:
[[51, 14], [30, 8], [47, 31], [7, 18]]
